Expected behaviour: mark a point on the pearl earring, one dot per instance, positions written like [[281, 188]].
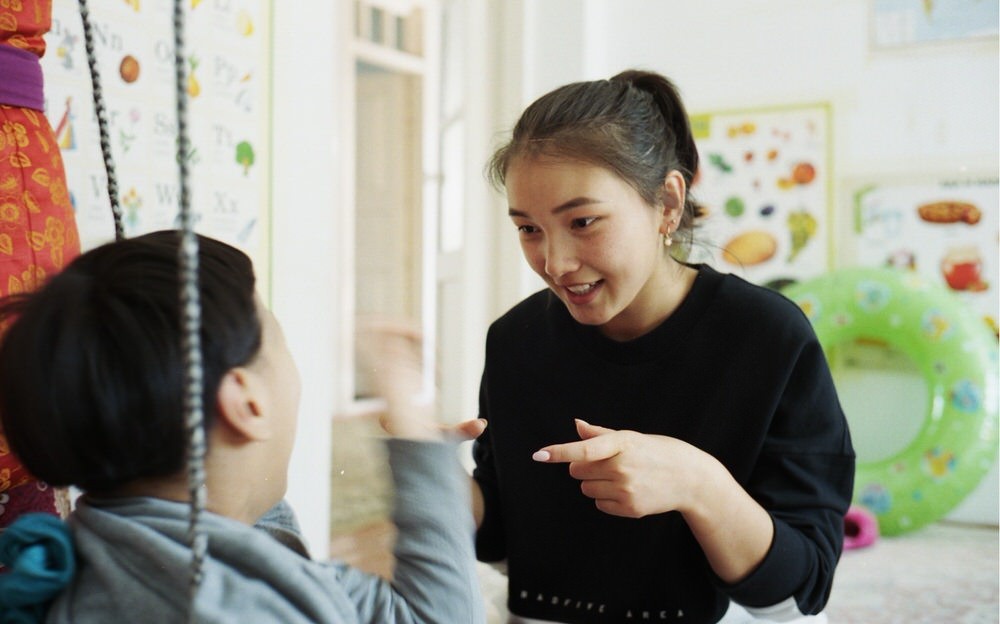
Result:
[[667, 236]]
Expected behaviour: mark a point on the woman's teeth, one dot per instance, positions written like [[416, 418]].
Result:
[[582, 289]]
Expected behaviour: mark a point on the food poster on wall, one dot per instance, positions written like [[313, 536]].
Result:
[[764, 181], [947, 230], [227, 89]]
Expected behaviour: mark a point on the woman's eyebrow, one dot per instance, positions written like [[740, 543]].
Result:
[[576, 202]]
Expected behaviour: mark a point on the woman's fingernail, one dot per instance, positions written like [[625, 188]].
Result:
[[541, 456]]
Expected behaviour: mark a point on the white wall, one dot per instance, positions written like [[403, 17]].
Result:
[[305, 228], [935, 106]]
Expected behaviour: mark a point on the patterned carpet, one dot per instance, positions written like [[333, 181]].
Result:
[[943, 573]]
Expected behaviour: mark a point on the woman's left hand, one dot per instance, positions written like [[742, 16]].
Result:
[[634, 474], [628, 473]]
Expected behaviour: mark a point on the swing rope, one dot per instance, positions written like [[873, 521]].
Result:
[[190, 301], [102, 121]]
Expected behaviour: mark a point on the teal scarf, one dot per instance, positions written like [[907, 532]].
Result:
[[38, 552]]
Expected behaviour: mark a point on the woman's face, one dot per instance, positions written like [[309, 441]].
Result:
[[594, 240]]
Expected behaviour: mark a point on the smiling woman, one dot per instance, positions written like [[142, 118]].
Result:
[[709, 461]]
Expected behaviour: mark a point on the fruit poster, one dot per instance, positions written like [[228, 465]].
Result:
[[765, 183], [226, 51], [945, 229]]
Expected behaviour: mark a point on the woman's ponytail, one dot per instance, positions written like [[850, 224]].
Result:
[[679, 136]]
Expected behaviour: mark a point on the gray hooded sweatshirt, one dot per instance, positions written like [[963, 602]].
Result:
[[133, 561]]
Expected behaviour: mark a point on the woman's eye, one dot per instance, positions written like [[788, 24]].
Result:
[[526, 229], [583, 222]]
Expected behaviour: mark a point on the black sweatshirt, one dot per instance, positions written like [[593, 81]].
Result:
[[736, 371]]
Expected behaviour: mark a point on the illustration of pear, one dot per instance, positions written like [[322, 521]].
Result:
[[801, 228], [193, 86], [244, 23]]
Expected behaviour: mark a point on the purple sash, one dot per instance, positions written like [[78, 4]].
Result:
[[21, 79]]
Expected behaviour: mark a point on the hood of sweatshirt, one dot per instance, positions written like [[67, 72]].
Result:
[[135, 561]]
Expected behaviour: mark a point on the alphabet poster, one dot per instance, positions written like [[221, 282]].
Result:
[[227, 84], [765, 181], [945, 229]]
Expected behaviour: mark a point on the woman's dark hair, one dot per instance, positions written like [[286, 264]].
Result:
[[634, 124], [91, 368]]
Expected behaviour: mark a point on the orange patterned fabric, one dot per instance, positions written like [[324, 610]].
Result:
[[23, 23], [38, 234], [37, 227]]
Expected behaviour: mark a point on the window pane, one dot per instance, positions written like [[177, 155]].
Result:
[[388, 198]]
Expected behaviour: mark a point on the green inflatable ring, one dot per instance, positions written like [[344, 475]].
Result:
[[957, 355]]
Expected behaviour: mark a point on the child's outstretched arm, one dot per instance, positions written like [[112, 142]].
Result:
[[435, 578]]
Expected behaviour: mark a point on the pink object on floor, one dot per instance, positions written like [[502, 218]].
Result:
[[860, 528]]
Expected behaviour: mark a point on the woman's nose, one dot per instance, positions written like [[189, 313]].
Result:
[[560, 258]]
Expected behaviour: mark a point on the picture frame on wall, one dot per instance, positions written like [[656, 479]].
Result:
[[942, 227], [903, 23], [765, 182]]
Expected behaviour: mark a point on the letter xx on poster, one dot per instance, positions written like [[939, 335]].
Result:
[[764, 180], [226, 84]]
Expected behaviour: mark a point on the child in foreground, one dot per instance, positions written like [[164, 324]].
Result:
[[91, 390]]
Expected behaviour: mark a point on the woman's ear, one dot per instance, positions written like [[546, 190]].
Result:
[[674, 194], [240, 406]]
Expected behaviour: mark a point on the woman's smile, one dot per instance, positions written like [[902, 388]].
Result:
[[582, 294]]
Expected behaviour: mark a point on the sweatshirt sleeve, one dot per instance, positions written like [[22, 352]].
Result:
[[435, 578], [804, 479], [490, 540]]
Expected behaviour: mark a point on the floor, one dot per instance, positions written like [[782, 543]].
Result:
[[361, 488], [368, 548], [946, 573]]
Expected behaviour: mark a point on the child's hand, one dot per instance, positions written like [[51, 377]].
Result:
[[466, 430], [392, 352]]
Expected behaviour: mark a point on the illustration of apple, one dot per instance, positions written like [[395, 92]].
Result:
[[962, 269], [803, 173]]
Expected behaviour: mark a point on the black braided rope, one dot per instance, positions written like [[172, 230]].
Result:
[[102, 121], [191, 325], [190, 301]]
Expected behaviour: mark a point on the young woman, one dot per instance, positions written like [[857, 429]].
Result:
[[665, 442], [90, 395]]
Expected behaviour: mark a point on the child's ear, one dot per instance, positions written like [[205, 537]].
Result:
[[240, 405]]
